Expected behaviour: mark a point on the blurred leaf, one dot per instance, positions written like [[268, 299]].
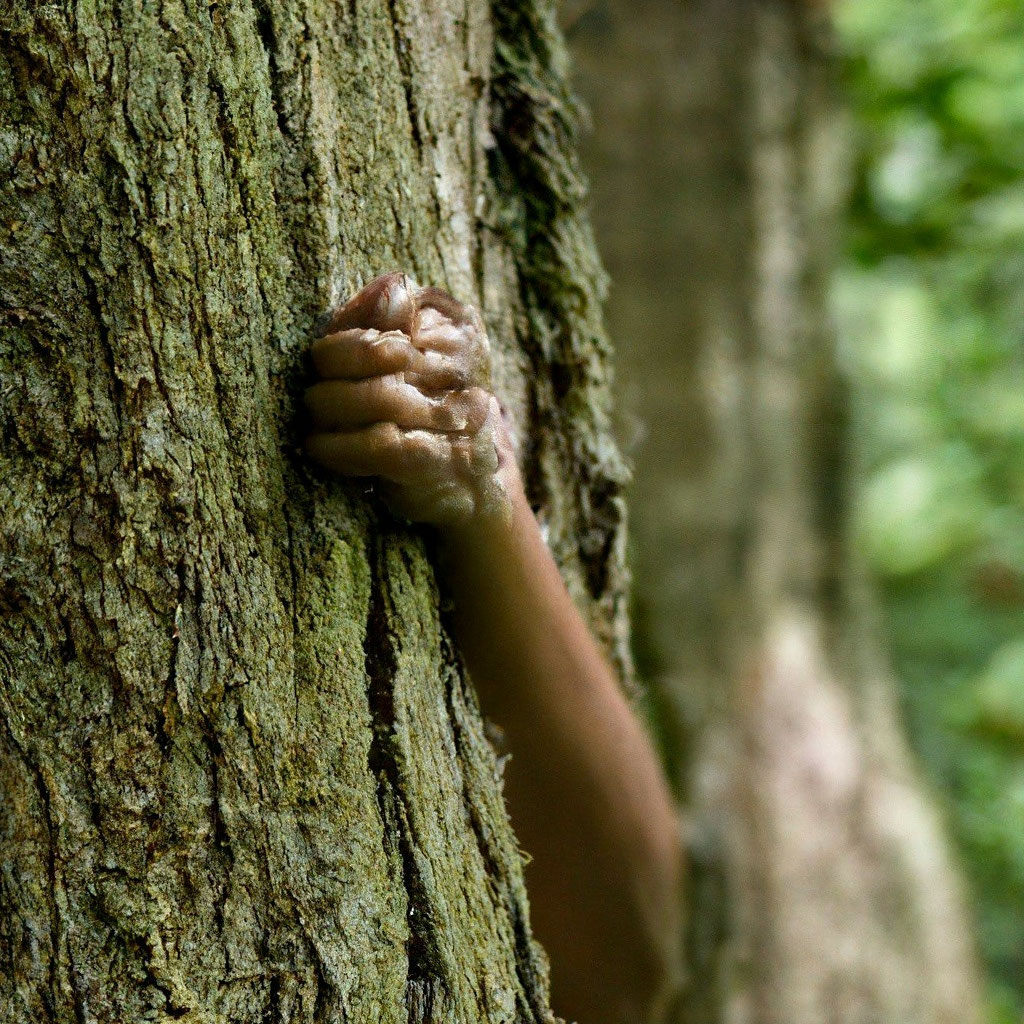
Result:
[[1000, 696], [916, 512], [930, 307], [994, 408]]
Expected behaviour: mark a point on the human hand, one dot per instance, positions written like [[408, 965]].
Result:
[[404, 395]]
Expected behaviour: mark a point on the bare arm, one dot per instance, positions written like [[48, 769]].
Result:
[[584, 788]]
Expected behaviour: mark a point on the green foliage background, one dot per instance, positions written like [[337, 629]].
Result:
[[930, 305]]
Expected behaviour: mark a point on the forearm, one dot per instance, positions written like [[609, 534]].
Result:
[[403, 396], [585, 790]]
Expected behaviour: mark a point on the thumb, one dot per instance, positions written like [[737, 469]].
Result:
[[386, 304]]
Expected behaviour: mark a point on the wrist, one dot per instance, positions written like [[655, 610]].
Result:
[[499, 506], [497, 499]]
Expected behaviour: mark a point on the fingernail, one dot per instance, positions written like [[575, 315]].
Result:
[[395, 299]]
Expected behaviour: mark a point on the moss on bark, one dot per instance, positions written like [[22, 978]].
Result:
[[243, 777]]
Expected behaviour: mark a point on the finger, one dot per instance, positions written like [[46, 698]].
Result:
[[474, 457], [436, 309], [464, 353], [452, 329], [475, 453], [382, 450], [470, 408], [360, 353], [386, 303], [347, 405], [447, 305], [434, 371], [435, 332], [368, 452]]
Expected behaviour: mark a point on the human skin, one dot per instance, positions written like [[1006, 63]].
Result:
[[404, 396]]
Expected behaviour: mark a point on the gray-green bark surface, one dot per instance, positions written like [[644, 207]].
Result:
[[242, 776]]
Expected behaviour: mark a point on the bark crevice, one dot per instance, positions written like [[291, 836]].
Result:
[[383, 758]]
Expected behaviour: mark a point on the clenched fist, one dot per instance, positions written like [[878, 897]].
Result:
[[404, 395]]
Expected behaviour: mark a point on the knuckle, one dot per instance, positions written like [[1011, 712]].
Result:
[[479, 399], [384, 439], [462, 454], [375, 342], [419, 446], [478, 402], [425, 454]]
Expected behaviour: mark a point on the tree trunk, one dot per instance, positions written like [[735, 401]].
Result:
[[242, 774], [822, 888]]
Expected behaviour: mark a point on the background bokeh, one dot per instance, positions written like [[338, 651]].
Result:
[[930, 300], [812, 215]]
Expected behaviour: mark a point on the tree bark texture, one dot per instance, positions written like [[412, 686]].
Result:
[[822, 887], [242, 775]]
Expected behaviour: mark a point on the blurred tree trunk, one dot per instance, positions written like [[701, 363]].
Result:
[[242, 777], [822, 887]]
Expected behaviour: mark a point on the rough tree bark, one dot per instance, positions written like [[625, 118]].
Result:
[[822, 888], [242, 776]]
